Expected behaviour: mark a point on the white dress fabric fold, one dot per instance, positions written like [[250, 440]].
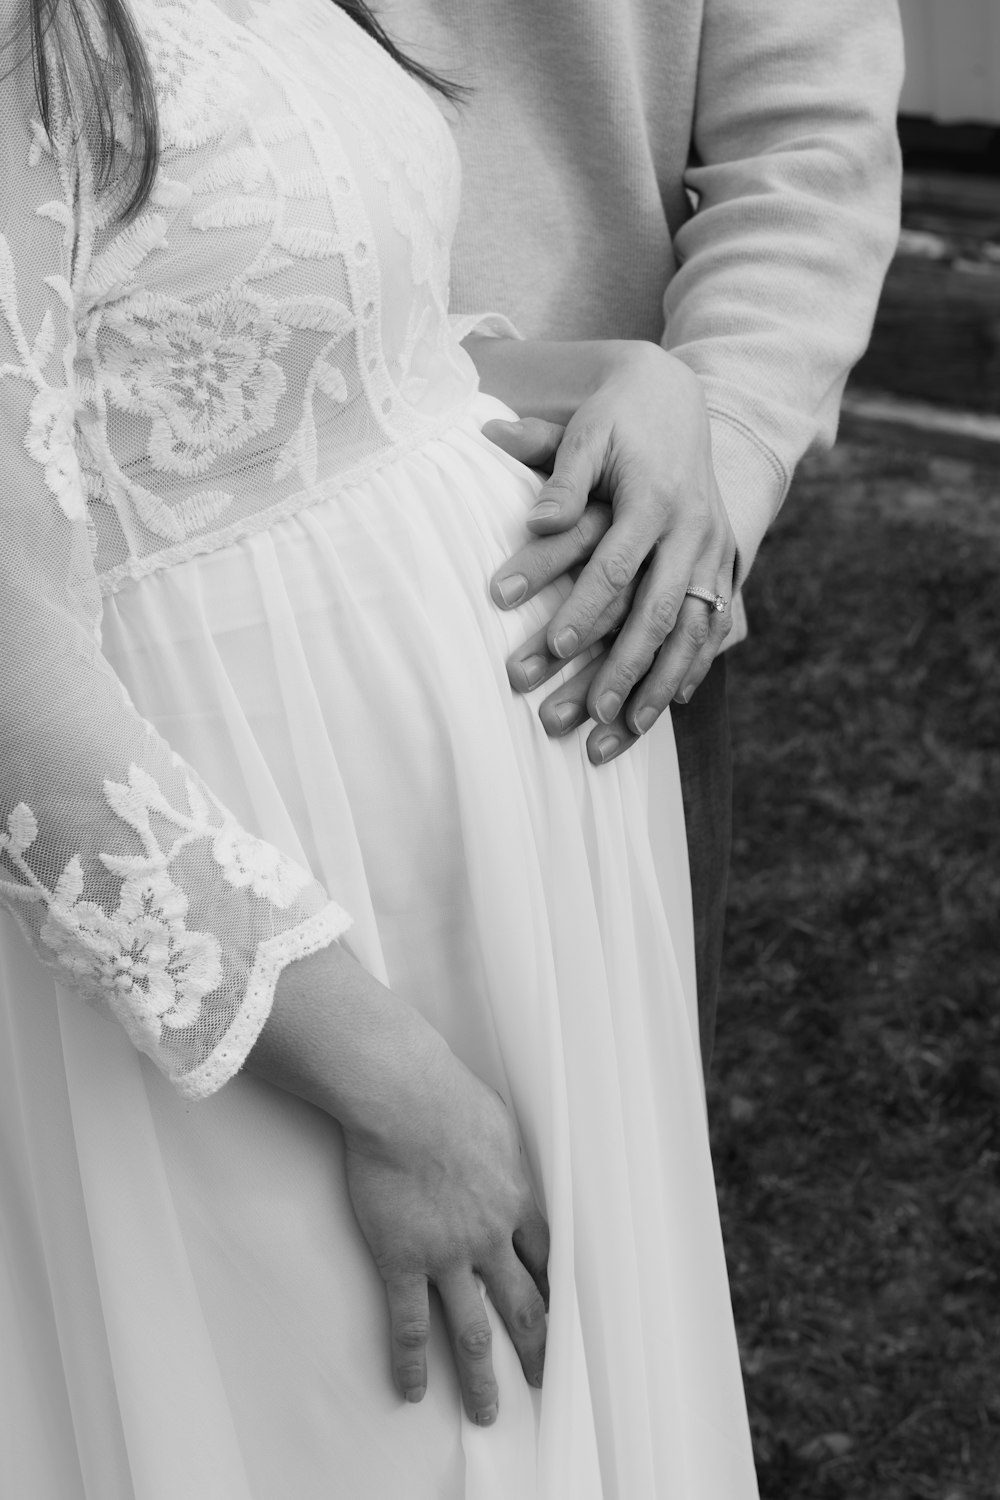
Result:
[[191, 1307], [254, 691]]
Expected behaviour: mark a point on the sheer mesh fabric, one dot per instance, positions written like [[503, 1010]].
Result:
[[272, 326]]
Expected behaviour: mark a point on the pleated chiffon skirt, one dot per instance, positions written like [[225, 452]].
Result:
[[187, 1308]]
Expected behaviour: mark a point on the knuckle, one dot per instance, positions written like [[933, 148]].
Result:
[[477, 1341], [623, 676], [558, 486], [530, 1316], [591, 526], [706, 520], [582, 437], [546, 559], [697, 631], [614, 617], [662, 614], [585, 624], [410, 1374], [579, 536], [412, 1333], [481, 1393], [615, 571], [661, 691], [664, 497]]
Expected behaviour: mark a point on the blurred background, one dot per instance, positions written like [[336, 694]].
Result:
[[856, 1083]]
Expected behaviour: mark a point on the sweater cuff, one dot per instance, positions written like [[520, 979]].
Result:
[[753, 483]]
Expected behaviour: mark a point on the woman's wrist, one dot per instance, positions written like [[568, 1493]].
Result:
[[338, 1038], [548, 378]]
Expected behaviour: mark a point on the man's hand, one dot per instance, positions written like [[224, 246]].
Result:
[[632, 498]]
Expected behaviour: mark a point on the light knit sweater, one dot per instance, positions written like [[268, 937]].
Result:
[[590, 124]]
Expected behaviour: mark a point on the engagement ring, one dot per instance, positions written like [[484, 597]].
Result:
[[718, 601]]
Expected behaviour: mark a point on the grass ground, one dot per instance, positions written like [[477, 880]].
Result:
[[856, 1092]]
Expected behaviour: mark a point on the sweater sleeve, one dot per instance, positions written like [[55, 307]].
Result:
[[796, 175], [125, 871]]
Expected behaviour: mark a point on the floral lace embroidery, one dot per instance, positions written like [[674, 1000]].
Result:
[[206, 376], [50, 438], [153, 972], [262, 365], [193, 374], [248, 861], [140, 958], [196, 87], [408, 148]]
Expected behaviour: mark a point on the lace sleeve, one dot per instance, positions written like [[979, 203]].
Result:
[[125, 871]]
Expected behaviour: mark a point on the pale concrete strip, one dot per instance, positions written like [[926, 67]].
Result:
[[870, 416]]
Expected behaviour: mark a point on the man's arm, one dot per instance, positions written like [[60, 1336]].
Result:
[[796, 170]]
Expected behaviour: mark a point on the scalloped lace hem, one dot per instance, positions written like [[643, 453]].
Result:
[[272, 955]]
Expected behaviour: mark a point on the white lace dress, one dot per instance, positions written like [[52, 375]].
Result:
[[254, 699]]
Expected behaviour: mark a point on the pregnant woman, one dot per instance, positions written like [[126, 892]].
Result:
[[347, 1020]]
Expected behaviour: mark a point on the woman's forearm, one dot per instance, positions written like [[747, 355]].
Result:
[[341, 1040], [547, 378]]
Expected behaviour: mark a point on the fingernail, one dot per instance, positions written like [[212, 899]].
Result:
[[567, 642], [645, 719], [565, 715], [487, 1417], [512, 588], [533, 669], [416, 1393], [606, 707], [686, 694], [543, 510], [607, 746]]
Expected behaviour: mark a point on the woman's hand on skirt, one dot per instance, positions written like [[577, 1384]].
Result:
[[440, 1202], [434, 1168]]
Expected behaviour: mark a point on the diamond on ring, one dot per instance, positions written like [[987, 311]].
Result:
[[718, 602]]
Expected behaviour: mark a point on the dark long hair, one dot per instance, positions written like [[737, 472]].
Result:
[[122, 82]]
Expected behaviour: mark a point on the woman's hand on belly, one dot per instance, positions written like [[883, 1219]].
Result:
[[434, 1168], [534, 662], [625, 422]]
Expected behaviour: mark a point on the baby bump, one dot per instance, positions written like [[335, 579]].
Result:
[[383, 588], [335, 677]]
